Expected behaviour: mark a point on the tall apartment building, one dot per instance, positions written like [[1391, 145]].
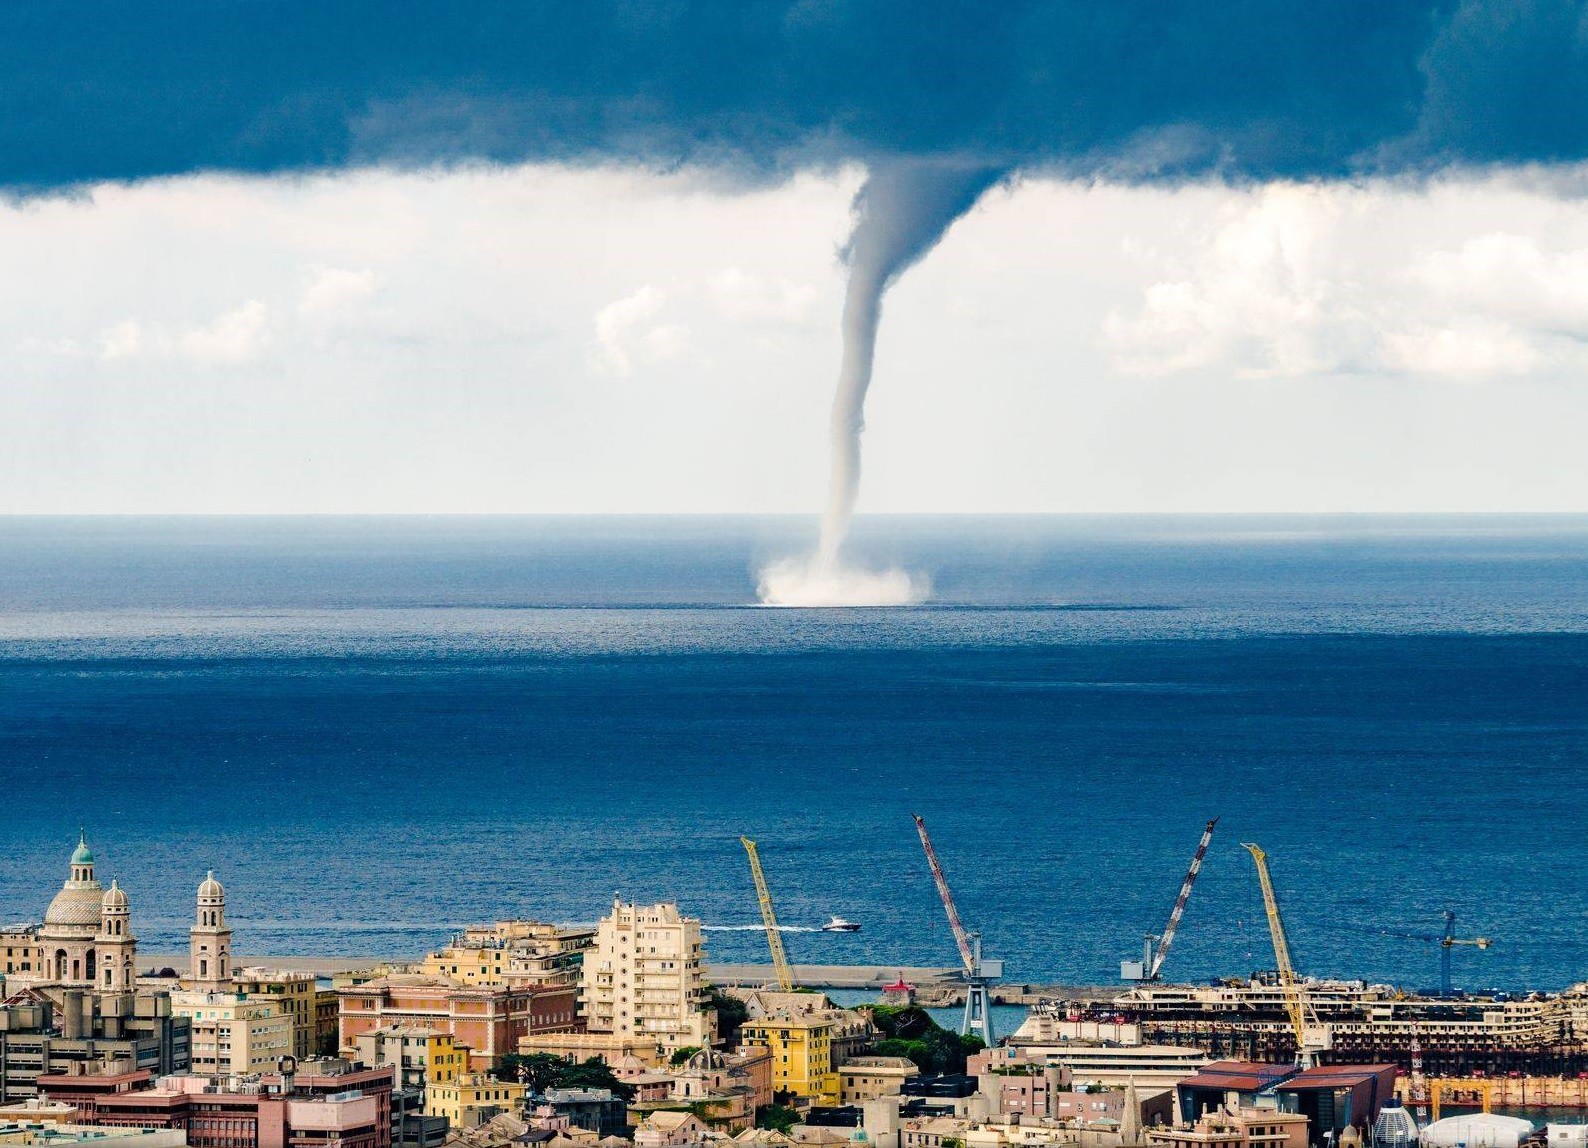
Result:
[[233, 1033], [513, 953], [645, 978], [298, 996]]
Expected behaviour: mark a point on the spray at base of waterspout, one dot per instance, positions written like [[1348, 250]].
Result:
[[808, 582]]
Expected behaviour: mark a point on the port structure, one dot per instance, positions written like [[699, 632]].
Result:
[[978, 973], [1155, 949], [1446, 941], [774, 936], [1310, 1039]]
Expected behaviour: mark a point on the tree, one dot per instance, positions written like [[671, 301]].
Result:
[[910, 1031], [778, 1117], [731, 1013], [682, 1055], [542, 1070]]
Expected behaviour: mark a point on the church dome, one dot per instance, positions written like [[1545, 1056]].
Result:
[[75, 905], [115, 897], [82, 855], [211, 887]]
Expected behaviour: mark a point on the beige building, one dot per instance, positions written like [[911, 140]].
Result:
[[1244, 1128], [296, 993], [869, 1077], [473, 1098], [644, 978], [423, 1056], [234, 1034], [27, 1134], [513, 953]]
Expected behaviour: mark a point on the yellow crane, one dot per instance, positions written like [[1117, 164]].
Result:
[[1289, 984], [774, 938]]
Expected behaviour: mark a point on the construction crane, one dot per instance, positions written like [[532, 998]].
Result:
[[1156, 949], [1446, 942], [774, 936], [978, 973], [1307, 1047]]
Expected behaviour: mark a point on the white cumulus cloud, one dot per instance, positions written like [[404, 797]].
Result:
[[756, 298], [234, 337], [335, 288], [627, 331], [121, 341], [1295, 281]]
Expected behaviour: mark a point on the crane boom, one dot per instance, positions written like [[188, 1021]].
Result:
[[1179, 904], [1288, 982], [774, 936], [961, 937]]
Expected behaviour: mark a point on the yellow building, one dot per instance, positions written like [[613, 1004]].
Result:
[[425, 1057], [802, 1055], [234, 1034], [473, 1098]]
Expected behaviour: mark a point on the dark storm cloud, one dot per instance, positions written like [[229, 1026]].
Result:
[[1122, 88]]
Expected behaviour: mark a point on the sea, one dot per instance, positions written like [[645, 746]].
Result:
[[378, 730]]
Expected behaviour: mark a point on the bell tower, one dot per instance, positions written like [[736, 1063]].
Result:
[[116, 947], [210, 940]]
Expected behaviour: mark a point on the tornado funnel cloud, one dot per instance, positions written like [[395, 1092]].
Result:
[[902, 210]]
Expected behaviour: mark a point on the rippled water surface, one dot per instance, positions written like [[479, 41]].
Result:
[[378, 730]]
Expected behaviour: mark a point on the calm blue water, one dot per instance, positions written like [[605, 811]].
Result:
[[378, 730]]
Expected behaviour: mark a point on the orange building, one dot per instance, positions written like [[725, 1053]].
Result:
[[490, 1019]]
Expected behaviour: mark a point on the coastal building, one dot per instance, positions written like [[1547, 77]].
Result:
[[50, 1029], [1240, 1128], [297, 995], [644, 978], [851, 1032], [723, 1088], [514, 953], [862, 1078], [489, 1020], [801, 1053], [27, 1133], [596, 1110], [422, 1056], [325, 1104], [1028, 1090], [327, 1016], [232, 1033], [473, 1098], [1151, 1067], [38, 1111], [670, 1130]]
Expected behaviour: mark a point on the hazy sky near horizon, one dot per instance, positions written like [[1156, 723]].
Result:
[[549, 339]]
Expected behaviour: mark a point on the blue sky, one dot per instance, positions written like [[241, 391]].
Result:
[[584, 257]]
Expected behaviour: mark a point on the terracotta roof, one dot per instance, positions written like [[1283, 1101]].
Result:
[[1239, 1075]]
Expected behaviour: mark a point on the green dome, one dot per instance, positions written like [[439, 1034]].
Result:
[[83, 855]]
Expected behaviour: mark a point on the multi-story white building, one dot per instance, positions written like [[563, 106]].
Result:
[[644, 977]]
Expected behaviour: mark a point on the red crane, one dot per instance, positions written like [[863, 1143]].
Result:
[[979, 973], [961, 936]]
